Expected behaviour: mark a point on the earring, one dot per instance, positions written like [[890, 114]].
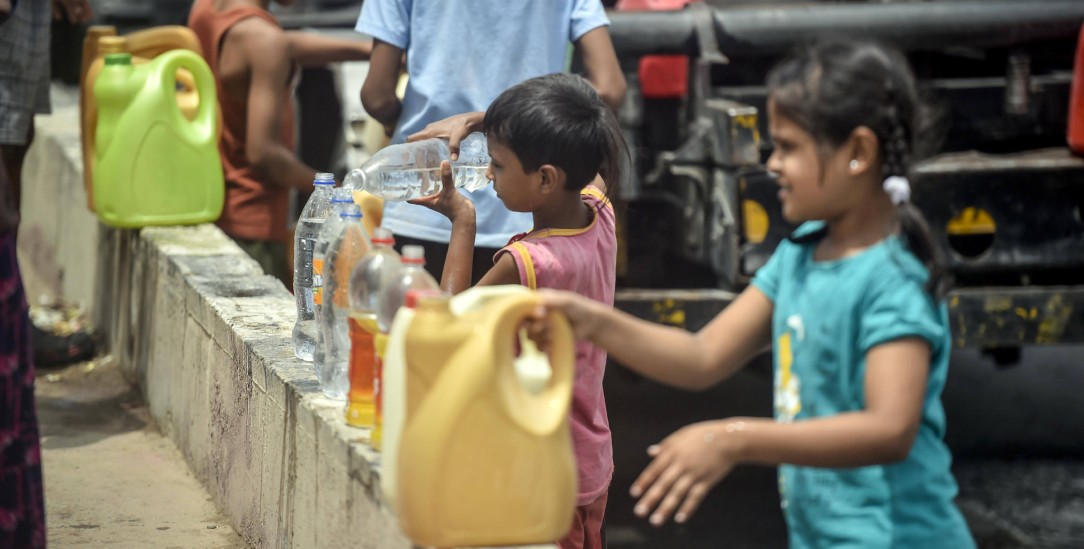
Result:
[[854, 164]]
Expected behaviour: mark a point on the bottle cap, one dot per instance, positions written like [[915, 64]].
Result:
[[324, 179], [112, 44], [342, 196], [383, 236], [413, 254], [412, 296], [118, 59]]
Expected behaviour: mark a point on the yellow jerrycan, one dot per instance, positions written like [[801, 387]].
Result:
[[144, 45], [154, 166], [486, 454]]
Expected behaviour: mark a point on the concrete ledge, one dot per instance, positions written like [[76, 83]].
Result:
[[206, 334]]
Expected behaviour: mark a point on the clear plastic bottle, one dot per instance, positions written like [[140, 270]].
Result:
[[411, 275], [412, 170], [343, 254], [366, 286], [342, 201], [469, 170], [309, 223]]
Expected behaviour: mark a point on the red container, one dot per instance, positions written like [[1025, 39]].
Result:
[[1076, 100], [661, 76]]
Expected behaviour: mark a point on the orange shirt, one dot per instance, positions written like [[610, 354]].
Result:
[[254, 210]]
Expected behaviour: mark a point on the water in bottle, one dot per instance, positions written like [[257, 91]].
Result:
[[307, 231], [342, 201], [366, 285], [469, 170], [412, 170], [348, 247]]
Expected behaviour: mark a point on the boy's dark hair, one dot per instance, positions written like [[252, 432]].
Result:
[[831, 88], [559, 119]]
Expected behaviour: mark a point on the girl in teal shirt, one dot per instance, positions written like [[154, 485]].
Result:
[[852, 307]]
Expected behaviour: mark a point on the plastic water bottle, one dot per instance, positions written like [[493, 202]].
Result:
[[411, 275], [366, 286], [342, 201], [412, 170], [349, 245], [469, 170], [309, 223]]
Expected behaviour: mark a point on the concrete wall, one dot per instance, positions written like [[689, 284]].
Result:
[[206, 334]]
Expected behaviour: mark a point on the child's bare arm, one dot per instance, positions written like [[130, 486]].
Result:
[[691, 461], [460, 211], [378, 92], [267, 52], [315, 50], [504, 271], [669, 355]]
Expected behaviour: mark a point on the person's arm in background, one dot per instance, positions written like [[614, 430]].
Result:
[[600, 62], [378, 92], [76, 11], [454, 128], [313, 50], [266, 50]]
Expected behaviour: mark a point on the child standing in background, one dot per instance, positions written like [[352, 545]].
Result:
[[852, 305], [549, 138], [255, 63]]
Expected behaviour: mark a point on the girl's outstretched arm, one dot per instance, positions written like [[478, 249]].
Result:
[[669, 355], [690, 462]]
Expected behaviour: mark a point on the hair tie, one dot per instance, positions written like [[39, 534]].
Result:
[[898, 189]]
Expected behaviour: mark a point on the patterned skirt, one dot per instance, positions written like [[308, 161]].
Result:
[[22, 502]]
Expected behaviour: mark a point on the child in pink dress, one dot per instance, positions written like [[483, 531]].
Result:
[[550, 138]]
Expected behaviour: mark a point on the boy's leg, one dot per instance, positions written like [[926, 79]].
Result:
[[588, 526]]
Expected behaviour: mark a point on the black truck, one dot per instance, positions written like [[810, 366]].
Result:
[[1000, 188]]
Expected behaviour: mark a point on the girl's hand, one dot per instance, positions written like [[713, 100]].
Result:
[[454, 129], [687, 465], [448, 202], [583, 315]]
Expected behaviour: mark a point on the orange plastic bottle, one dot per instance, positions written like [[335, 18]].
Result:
[[486, 455], [144, 45]]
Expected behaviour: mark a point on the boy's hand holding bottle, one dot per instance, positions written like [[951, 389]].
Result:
[[449, 202]]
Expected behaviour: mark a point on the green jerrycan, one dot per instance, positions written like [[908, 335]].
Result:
[[154, 166], [485, 457], [144, 45]]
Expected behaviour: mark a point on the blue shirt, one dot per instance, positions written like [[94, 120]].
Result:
[[827, 315], [461, 54]]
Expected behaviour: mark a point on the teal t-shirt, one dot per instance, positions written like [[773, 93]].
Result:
[[827, 315]]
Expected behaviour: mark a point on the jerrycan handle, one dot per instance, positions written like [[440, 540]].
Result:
[[537, 411], [166, 70]]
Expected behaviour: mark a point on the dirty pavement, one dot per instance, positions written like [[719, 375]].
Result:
[[111, 478]]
